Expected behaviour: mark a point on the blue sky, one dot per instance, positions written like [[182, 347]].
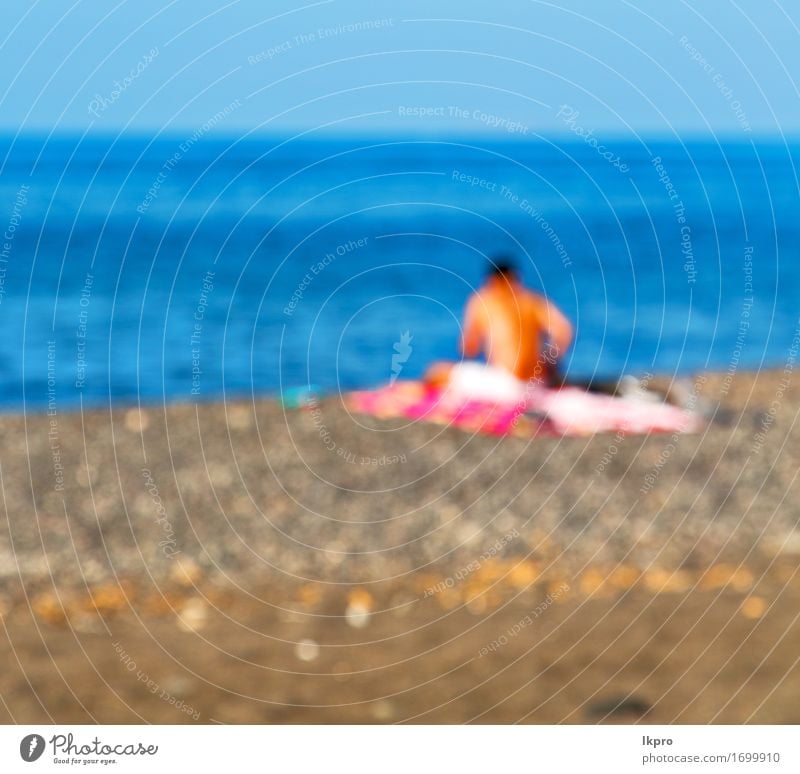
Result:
[[432, 67]]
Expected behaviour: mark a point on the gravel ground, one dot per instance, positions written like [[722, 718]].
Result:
[[257, 564], [251, 493]]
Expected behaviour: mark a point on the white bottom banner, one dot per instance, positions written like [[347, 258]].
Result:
[[401, 749]]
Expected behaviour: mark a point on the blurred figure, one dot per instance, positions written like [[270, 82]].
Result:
[[511, 325], [521, 333]]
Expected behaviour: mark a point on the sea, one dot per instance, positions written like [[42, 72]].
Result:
[[197, 267]]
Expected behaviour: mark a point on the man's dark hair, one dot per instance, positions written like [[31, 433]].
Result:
[[501, 266]]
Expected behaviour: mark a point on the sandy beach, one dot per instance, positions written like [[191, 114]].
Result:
[[257, 563]]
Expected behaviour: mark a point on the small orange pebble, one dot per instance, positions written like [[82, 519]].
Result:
[[49, 608], [361, 598], [594, 582], [742, 579], [624, 576], [523, 574], [108, 599], [136, 420], [491, 570], [359, 608], [665, 582], [590, 580], [753, 607], [185, 571], [560, 590], [475, 587], [309, 594], [717, 577]]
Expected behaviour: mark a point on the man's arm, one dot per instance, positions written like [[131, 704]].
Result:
[[559, 328], [472, 334]]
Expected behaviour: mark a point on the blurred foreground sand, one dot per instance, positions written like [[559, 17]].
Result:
[[242, 563]]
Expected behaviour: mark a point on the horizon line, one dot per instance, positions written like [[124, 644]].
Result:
[[304, 134]]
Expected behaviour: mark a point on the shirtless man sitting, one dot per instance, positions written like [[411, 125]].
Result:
[[521, 333]]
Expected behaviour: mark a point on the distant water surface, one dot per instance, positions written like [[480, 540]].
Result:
[[186, 268]]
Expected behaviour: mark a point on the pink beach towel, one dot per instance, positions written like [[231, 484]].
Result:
[[543, 411]]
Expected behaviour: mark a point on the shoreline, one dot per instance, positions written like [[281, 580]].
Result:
[[660, 381]]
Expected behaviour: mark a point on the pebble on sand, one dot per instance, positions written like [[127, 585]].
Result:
[[185, 571], [523, 574], [721, 575], [306, 650], [309, 595], [109, 598], [754, 607], [136, 420], [660, 581], [594, 582], [193, 615], [359, 608]]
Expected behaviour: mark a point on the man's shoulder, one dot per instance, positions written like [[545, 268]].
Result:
[[477, 297], [534, 298]]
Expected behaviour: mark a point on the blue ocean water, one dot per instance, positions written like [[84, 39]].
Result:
[[188, 268]]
